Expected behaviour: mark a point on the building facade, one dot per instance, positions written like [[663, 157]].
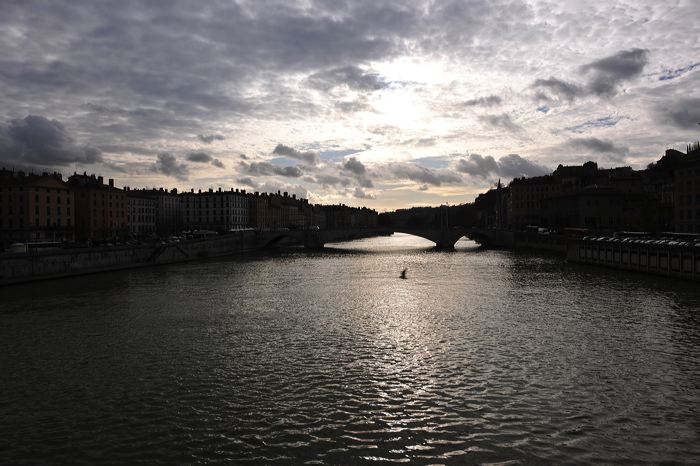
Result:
[[686, 207], [35, 208], [215, 210], [100, 209], [142, 213]]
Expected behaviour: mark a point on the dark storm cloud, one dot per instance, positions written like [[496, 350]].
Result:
[[311, 158], [203, 157], [682, 113], [209, 138], [509, 166], [604, 77], [36, 140], [269, 169], [167, 164], [599, 145], [487, 101], [502, 121], [353, 77]]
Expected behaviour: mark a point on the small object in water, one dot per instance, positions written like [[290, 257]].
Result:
[[403, 273]]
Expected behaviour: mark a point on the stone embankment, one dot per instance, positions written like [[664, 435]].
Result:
[[37, 264]]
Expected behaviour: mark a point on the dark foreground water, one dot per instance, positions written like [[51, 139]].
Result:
[[330, 358]]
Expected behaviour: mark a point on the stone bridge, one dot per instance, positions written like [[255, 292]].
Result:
[[315, 238], [444, 238]]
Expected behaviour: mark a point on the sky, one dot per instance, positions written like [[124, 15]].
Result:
[[383, 104]]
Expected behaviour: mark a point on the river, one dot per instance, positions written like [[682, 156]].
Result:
[[328, 357]]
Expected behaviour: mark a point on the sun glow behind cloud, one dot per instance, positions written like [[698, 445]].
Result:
[[408, 89]]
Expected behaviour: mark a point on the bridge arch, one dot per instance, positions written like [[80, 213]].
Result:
[[444, 238]]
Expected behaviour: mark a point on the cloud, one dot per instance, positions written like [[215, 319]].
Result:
[[603, 122], [36, 140], [488, 101], [682, 113], [609, 72], [599, 145], [200, 157], [203, 157], [669, 74], [352, 106], [423, 175], [167, 164], [269, 169], [355, 166], [360, 193], [209, 138], [604, 77], [247, 181], [509, 166], [332, 180], [502, 121], [354, 77], [307, 157], [556, 89]]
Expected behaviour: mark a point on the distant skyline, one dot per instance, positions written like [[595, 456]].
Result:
[[383, 104]]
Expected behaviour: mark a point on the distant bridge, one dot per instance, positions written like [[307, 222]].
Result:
[[444, 238]]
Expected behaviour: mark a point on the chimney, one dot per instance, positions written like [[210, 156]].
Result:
[[294, 196], [219, 188], [111, 182], [285, 194]]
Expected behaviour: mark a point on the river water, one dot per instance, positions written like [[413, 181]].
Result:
[[328, 357]]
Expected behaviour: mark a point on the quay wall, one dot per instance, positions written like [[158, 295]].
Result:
[[667, 260], [46, 264], [40, 264], [519, 240], [550, 243]]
